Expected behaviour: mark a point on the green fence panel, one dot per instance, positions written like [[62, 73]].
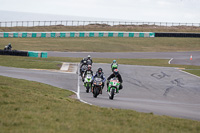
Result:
[[151, 34], [32, 54], [131, 34], [91, 34], [53, 34], [43, 34], [62, 34], [72, 34], [15, 34], [141, 34], [6, 35], [110, 34], [101, 34], [44, 54], [24, 34], [81, 34], [34, 34], [120, 34]]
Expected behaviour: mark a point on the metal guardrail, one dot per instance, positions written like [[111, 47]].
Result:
[[85, 23]]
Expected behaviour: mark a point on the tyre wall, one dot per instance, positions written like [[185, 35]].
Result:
[[24, 53], [177, 34], [13, 52]]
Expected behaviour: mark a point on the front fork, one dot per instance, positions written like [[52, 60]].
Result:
[[117, 89]]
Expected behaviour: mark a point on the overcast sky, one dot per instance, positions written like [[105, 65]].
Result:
[[144, 10]]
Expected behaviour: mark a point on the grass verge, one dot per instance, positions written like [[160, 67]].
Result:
[[109, 44], [29, 62], [34, 107]]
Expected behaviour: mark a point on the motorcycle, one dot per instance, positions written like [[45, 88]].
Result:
[[83, 69], [97, 86], [7, 48], [113, 87], [88, 82]]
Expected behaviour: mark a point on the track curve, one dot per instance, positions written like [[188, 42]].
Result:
[[161, 90]]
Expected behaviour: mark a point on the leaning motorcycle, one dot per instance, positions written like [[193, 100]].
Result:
[[97, 86], [88, 82], [113, 87]]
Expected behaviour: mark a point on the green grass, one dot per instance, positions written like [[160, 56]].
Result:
[[29, 62], [104, 44], [38, 108]]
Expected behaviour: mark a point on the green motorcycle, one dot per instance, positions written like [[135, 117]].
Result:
[[113, 87], [88, 82]]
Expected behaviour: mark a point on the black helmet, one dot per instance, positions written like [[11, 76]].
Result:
[[100, 71], [115, 72]]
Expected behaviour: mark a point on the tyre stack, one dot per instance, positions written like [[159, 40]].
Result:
[[13, 52]]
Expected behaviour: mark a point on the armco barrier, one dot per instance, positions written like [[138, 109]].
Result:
[[177, 34], [75, 34]]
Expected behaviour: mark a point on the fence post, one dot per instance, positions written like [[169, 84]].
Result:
[[11, 23]]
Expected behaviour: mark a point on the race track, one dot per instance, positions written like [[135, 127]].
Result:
[[158, 90], [182, 58]]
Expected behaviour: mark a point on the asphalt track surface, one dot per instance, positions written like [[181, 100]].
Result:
[[182, 58], [158, 90]]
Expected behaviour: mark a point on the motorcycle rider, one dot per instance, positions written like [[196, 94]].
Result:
[[114, 65], [118, 76], [8, 47], [88, 71], [100, 74], [89, 60], [83, 62]]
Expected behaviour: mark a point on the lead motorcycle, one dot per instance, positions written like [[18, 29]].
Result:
[[113, 87], [97, 86]]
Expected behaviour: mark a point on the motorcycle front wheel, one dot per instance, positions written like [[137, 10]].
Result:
[[112, 93], [95, 92]]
